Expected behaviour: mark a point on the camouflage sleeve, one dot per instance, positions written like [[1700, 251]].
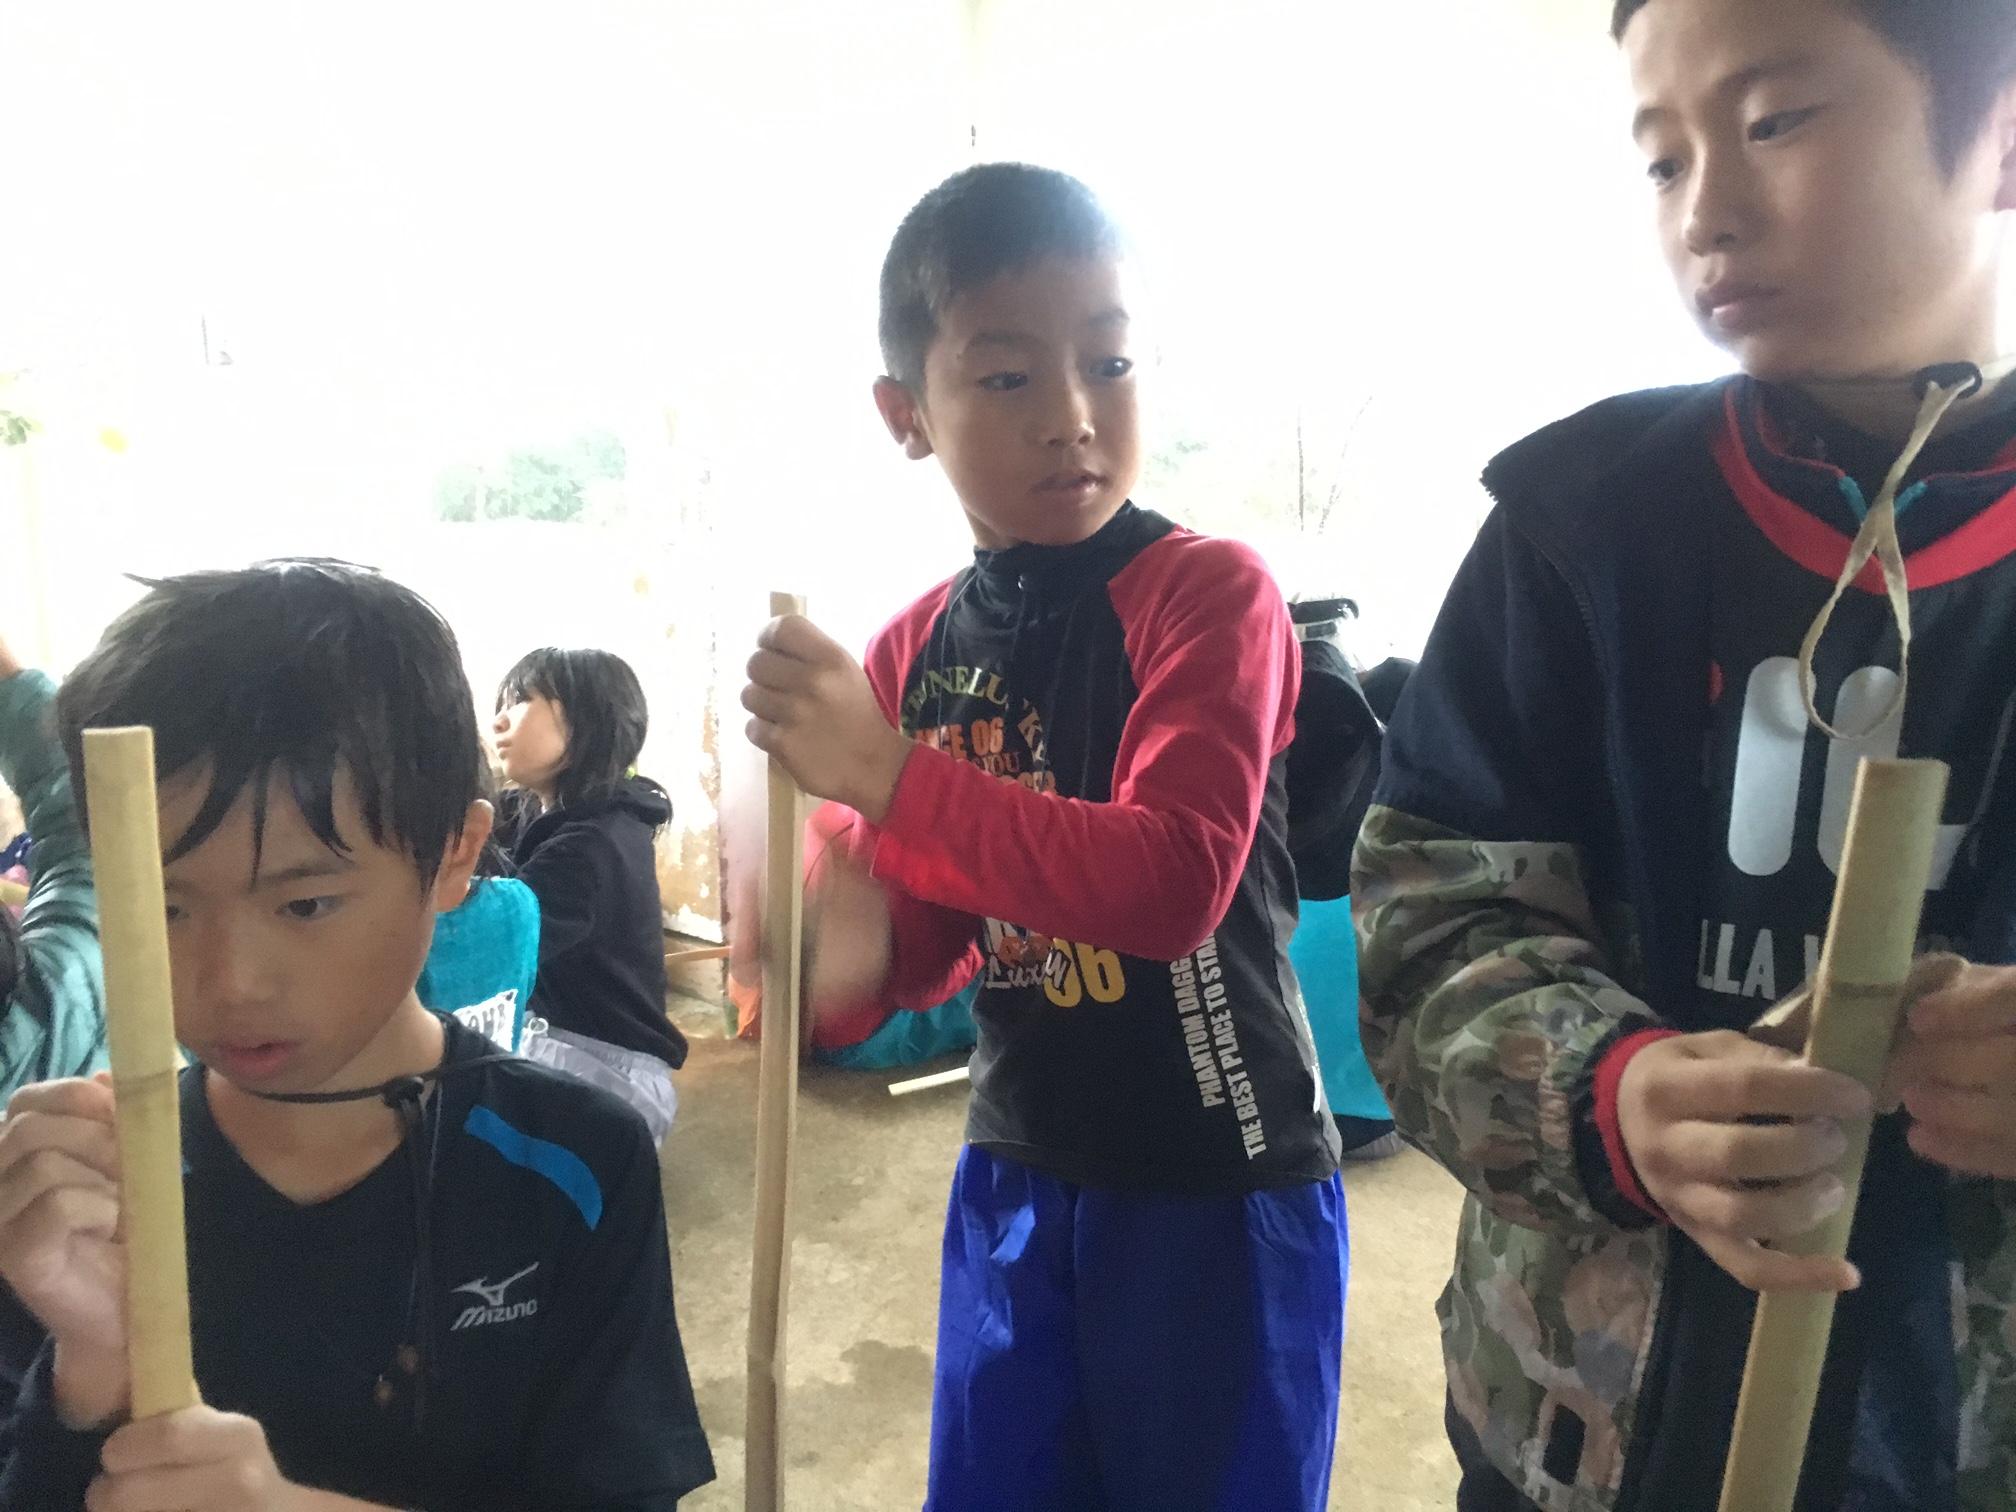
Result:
[[1489, 992]]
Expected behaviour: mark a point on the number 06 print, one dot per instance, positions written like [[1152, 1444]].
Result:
[[1075, 971]]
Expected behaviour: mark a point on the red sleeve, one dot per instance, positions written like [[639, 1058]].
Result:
[[1609, 1077], [935, 951], [1151, 873]]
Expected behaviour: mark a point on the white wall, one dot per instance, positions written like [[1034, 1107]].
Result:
[[431, 234]]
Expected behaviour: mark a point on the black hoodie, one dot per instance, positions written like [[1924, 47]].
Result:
[[601, 925]]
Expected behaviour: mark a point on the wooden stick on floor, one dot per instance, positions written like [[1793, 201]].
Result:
[[776, 1119], [1858, 1000], [140, 1023], [918, 1084], [697, 954]]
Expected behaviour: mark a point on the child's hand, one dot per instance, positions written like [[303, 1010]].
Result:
[[195, 1460], [59, 1252], [1688, 1108], [849, 944], [816, 713], [9, 665], [1956, 1072]]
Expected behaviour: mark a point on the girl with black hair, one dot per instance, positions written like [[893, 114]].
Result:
[[570, 725]]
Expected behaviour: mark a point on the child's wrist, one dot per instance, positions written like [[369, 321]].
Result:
[[879, 784], [1610, 1119], [91, 1386]]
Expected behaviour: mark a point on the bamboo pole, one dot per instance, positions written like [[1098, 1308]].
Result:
[[140, 1024], [1858, 1001], [776, 1120], [697, 955], [926, 1083]]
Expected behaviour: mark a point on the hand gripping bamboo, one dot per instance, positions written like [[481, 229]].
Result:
[[140, 1022], [1858, 1000], [776, 1121]]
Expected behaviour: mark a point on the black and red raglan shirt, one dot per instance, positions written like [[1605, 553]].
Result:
[[1097, 830]]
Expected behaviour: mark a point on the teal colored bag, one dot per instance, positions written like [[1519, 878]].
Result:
[[488, 946], [1324, 954], [908, 1039]]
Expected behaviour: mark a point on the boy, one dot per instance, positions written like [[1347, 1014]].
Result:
[[1608, 831], [421, 1274], [1067, 767]]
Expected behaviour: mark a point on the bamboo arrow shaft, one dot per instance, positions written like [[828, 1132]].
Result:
[[776, 1122], [140, 1025], [1858, 1000]]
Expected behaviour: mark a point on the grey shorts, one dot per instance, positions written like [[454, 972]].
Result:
[[643, 1081]]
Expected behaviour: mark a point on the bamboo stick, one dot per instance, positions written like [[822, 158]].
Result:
[[925, 1083], [697, 954], [1858, 1001], [140, 1023], [776, 1120]]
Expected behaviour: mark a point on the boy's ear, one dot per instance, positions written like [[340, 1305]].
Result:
[[451, 883], [904, 416]]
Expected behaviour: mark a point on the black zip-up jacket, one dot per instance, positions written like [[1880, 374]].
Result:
[[601, 923], [1603, 814]]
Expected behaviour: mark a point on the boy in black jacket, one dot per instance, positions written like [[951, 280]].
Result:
[[1616, 790], [421, 1274]]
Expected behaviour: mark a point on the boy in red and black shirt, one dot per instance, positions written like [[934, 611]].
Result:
[[1068, 768]]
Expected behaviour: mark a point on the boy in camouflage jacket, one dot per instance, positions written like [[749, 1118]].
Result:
[[1607, 835]]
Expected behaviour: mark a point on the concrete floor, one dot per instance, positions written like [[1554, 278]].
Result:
[[868, 1205]]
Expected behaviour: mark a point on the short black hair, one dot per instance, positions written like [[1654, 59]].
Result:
[[1965, 49], [607, 718], [300, 669], [980, 223]]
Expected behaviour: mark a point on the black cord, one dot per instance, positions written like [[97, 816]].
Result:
[[409, 1097], [393, 1092], [1964, 375]]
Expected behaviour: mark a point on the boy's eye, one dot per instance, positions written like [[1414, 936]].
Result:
[[174, 914], [307, 909], [1771, 127], [1664, 172], [1115, 367], [1001, 383]]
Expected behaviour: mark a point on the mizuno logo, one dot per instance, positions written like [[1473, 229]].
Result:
[[493, 1308]]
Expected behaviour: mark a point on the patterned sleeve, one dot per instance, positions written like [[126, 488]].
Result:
[[1490, 986], [1488, 999]]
